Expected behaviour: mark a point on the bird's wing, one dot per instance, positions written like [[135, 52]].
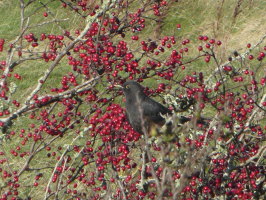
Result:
[[153, 111]]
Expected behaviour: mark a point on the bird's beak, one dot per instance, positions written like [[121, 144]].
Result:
[[118, 86]]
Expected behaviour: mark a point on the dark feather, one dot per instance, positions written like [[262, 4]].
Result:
[[141, 110]]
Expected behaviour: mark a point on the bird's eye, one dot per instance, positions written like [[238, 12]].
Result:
[[127, 86]]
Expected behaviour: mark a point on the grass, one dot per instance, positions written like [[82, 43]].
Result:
[[203, 20]]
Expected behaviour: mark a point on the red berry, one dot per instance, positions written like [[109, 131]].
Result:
[[200, 37], [212, 41], [218, 43]]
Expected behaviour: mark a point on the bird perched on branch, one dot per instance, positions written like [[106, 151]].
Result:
[[144, 113]]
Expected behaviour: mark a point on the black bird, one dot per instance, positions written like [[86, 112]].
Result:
[[143, 113]]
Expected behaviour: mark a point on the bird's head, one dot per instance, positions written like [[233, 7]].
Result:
[[131, 89]]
